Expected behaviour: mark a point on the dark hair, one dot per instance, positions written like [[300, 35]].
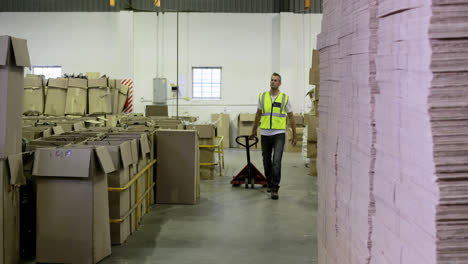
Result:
[[276, 74]]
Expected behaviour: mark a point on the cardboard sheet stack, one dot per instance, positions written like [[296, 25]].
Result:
[[392, 136], [447, 110], [14, 57]]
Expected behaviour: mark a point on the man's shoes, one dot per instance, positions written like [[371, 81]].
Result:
[[268, 189], [274, 195]]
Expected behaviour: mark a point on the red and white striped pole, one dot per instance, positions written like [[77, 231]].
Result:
[[128, 107]]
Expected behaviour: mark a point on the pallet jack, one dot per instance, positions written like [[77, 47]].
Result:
[[249, 174]]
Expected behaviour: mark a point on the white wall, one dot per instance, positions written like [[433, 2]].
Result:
[[248, 47]]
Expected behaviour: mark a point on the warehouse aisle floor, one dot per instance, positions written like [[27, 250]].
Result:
[[232, 225]]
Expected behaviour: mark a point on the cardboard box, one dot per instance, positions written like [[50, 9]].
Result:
[[156, 110], [207, 155], [178, 166], [299, 134], [99, 97], [123, 92], [299, 118], [119, 202], [314, 110], [32, 133], [13, 58], [246, 117], [72, 204], [33, 102], [207, 172], [77, 97], [223, 122], [114, 92], [312, 150], [314, 76], [56, 97], [315, 59], [312, 123], [313, 167], [9, 210], [206, 131], [142, 154]]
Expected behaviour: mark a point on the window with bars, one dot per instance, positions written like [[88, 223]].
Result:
[[48, 71], [206, 83]]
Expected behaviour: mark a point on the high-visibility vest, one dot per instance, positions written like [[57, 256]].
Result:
[[273, 113]]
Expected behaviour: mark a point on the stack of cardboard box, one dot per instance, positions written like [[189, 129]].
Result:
[[244, 127], [222, 122], [14, 57], [207, 138], [312, 123], [299, 118], [314, 79]]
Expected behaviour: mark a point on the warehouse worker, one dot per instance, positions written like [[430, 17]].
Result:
[[271, 111]]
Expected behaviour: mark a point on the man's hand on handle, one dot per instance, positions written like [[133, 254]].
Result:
[[253, 134]]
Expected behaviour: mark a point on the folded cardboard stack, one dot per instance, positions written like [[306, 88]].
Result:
[[392, 161], [447, 105]]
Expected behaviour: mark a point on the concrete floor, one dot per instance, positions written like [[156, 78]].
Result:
[[232, 225]]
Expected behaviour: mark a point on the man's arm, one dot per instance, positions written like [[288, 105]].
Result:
[[293, 126], [258, 115]]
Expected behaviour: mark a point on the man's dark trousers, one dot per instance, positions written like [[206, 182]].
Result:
[[273, 144]]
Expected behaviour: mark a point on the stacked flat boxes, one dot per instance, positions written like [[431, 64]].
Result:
[[392, 136]]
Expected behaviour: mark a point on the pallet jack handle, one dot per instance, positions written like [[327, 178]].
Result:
[[249, 174], [247, 145]]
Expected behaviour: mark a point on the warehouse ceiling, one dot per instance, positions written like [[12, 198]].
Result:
[[212, 6]]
